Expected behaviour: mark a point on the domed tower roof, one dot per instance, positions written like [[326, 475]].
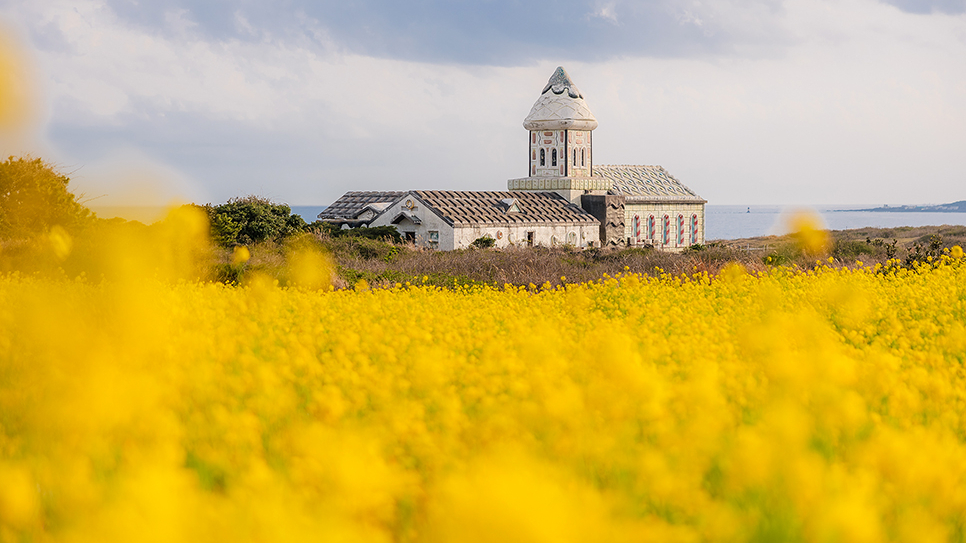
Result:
[[560, 107]]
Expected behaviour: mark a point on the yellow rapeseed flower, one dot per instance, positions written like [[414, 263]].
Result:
[[811, 405], [240, 255]]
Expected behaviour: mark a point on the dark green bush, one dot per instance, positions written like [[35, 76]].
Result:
[[382, 233], [484, 242], [252, 219]]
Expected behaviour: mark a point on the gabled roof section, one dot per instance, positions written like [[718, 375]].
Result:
[[560, 106], [646, 183], [459, 208], [352, 203], [405, 215]]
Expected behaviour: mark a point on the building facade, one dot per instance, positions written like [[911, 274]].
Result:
[[564, 199]]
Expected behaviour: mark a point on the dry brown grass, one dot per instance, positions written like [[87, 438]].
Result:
[[537, 266], [382, 264]]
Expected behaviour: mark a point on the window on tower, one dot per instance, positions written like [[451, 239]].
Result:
[[575, 157], [583, 155], [543, 157], [553, 157]]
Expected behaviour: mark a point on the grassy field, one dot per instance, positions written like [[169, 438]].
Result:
[[384, 264]]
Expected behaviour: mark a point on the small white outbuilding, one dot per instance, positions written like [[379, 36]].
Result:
[[447, 220]]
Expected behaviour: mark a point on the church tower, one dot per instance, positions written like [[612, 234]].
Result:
[[561, 143]]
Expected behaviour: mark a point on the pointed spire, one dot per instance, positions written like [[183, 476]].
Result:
[[560, 106], [560, 82]]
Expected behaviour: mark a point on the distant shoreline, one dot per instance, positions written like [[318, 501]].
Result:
[[955, 207]]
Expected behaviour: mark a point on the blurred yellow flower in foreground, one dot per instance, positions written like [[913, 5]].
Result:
[[240, 255], [784, 405], [16, 103], [60, 242], [809, 232]]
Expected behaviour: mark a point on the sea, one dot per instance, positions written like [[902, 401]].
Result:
[[722, 222]]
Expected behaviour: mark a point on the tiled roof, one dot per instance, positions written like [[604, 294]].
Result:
[[352, 203], [488, 207], [646, 183]]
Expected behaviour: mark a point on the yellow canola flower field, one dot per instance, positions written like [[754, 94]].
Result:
[[787, 406]]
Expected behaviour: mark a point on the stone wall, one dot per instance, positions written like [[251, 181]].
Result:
[[609, 210]]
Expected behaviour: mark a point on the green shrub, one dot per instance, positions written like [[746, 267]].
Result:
[[890, 249], [252, 219], [362, 248], [920, 253], [847, 251], [333, 230], [484, 242], [34, 198]]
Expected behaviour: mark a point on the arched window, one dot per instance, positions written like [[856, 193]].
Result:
[[680, 230], [637, 227], [650, 228], [583, 155], [667, 230], [543, 157], [694, 229], [553, 157]]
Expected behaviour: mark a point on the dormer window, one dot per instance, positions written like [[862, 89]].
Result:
[[510, 205]]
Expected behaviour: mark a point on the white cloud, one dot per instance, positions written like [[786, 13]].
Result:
[[607, 11], [865, 108], [863, 104]]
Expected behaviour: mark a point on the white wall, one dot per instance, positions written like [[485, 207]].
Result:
[[543, 235], [429, 222]]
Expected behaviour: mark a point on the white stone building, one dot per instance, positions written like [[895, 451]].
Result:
[[636, 205], [565, 198], [448, 220]]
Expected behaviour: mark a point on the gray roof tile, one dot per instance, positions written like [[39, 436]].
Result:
[[487, 207], [645, 182], [353, 202]]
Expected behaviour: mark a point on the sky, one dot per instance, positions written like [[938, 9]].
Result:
[[747, 102]]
